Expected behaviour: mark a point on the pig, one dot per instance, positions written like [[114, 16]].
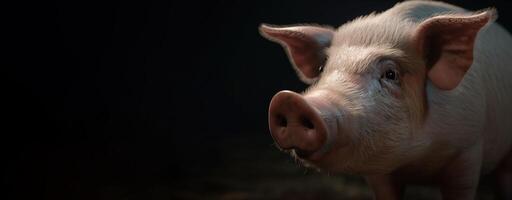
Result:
[[418, 94]]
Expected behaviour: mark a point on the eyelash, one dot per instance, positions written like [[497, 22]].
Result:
[[391, 75]]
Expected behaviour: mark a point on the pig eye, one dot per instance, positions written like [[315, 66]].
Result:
[[391, 75]]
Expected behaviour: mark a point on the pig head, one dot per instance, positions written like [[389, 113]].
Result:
[[367, 98], [366, 110]]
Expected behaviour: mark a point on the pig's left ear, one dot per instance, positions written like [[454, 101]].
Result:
[[446, 42], [305, 46]]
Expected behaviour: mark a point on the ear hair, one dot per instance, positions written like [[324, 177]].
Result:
[[304, 44], [447, 41]]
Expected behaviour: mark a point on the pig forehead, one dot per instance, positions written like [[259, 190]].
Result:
[[359, 59], [371, 30], [361, 42]]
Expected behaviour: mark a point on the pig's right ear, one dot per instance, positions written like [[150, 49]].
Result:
[[305, 46]]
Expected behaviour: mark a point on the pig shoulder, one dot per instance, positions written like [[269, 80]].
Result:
[[479, 109]]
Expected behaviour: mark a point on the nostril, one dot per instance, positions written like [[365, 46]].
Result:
[[306, 122], [281, 120]]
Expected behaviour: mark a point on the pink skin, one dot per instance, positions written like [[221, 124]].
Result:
[[400, 99], [296, 125]]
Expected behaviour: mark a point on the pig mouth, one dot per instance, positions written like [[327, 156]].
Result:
[[305, 155], [302, 153]]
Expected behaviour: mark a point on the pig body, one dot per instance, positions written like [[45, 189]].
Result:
[[479, 110], [470, 127], [420, 93]]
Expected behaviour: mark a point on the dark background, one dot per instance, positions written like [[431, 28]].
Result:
[[136, 100]]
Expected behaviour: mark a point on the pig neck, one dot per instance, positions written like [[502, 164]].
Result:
[[456, 117], [476, 111], [466, 116], [452, 124]]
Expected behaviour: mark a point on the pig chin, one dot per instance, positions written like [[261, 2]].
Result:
[[378, 152], [354, 158]]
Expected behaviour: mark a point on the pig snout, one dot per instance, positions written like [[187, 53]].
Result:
[[296, 124]]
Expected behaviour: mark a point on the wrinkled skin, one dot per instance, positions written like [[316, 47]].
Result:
[[410, 95]]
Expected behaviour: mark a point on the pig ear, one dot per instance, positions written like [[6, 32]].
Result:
[[447, 43], [305, 46]]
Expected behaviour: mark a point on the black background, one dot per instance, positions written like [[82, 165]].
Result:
[[135, 93]]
